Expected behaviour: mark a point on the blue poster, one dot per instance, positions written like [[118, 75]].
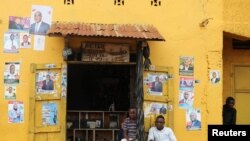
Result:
[[49, 114]]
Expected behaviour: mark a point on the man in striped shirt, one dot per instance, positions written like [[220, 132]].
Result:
[[130, 126]]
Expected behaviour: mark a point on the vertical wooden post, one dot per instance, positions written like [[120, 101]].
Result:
[[139, 93]]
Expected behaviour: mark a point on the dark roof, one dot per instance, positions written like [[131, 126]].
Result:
[[140, 32]]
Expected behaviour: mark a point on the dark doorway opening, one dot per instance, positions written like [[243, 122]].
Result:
[[96, 87]]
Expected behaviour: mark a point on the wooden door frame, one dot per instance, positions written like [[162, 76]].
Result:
[[61, 127], [232, 76]]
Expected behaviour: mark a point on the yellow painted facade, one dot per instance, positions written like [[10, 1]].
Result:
[[180, 23]]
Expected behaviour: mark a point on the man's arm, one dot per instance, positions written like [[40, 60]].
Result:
[[125, 134], [172, 135], [125, 129], [150, 134], [234, 117]]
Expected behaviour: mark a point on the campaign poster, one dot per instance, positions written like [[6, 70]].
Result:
[[186, 83], [25, 40], [12, 73], [15, 112], [41, 18], [155, 83], [49, 114], [46, 82], [19, 24], [186, 98], [214, 76], [193, 119], [9, 92], [154, 108], [186, 66], [11, 42]]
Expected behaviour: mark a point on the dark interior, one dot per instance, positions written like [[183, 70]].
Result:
[[241, 44], [96, 87]]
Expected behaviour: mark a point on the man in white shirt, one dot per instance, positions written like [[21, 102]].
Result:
[[159, 132], [10, 93], [15, 114], [12, 74]]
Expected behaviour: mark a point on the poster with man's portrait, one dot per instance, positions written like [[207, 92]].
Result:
[[19, 24], [10, 92], [40, 21], [46, 82], [186, 83], [11, 42], [193, 119], [154, 108], [186, 98], [25, 40], [12, 73], [15, 112], [155, 83], [214, 76], [186, 66]]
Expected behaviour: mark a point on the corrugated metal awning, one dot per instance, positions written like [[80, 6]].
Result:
[[138, 32]]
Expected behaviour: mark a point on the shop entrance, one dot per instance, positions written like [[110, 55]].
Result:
[[98, 98], [236, 67]]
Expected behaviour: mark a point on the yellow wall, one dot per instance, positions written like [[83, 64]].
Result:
[[177, 21], [236, 25], [236, 17]]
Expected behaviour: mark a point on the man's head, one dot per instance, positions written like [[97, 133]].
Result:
[[15, 106], [193, 116], [47, 77], [132, 113], [25, 38], [17, 20], [230, 101], [157, 78], [38, 16], [10, 89], [159, 122], [187, 62], [12, 68], [214, 74], [186, 95]]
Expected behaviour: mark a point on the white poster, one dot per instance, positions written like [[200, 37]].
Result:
[[11, 42], [39, 42]]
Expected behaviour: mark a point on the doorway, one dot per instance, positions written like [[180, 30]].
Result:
[[236, 69], [98, 93]]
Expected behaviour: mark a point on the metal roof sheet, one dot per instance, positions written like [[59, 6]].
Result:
[[135, 31]]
